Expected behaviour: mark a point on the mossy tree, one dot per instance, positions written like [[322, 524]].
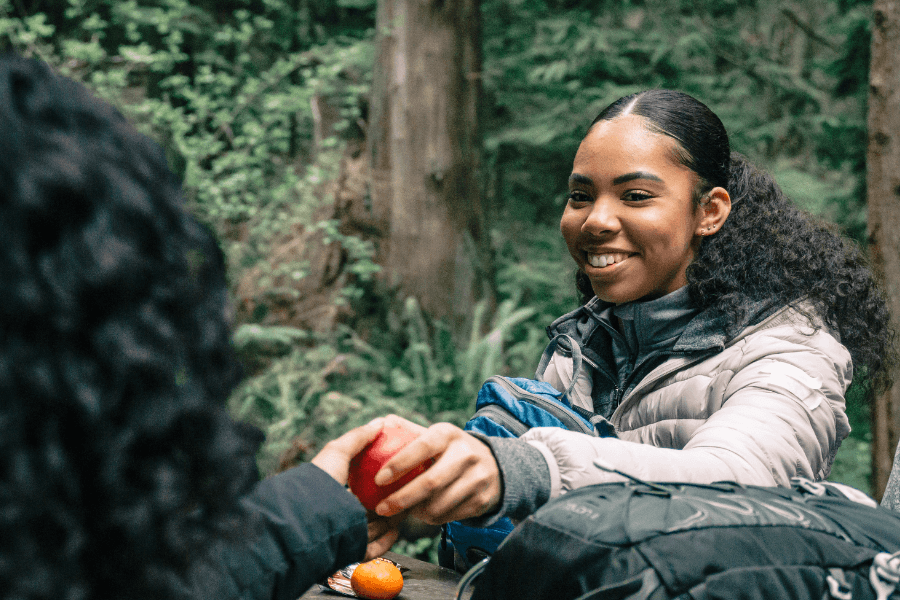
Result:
[[425, 145], [883, 185]]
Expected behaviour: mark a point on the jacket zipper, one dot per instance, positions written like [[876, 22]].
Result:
[[615, 395], [772, 320], [571, 422]]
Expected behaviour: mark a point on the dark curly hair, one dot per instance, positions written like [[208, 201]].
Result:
[[119, 464], [768, 249]]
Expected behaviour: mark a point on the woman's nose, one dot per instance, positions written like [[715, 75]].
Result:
[[603, 218]]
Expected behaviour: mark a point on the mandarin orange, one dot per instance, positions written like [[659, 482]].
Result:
[[378, 579]]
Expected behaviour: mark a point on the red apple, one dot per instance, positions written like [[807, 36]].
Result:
[[367, 463]]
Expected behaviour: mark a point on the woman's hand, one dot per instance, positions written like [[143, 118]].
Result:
[[335, 457], [383, 533], [463, 482]]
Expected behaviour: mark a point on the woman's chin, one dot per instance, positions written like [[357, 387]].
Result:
[[614, 297]]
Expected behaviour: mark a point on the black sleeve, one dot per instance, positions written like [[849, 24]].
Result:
[[306, 526]]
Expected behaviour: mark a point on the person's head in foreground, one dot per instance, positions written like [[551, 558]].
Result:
[[118, 463]]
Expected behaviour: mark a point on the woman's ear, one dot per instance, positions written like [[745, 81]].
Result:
[[714, 210]]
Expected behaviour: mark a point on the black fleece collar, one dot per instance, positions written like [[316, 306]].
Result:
[[708, 330]]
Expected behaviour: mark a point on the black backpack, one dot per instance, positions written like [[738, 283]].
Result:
[[647, 541]]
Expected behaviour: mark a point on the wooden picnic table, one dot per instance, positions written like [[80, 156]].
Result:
[[423, 581]]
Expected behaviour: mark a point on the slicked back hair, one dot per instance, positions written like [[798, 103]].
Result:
[[702, 140]]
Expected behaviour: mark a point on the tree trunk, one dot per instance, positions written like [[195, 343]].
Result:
[[883, 183], [425, 147]]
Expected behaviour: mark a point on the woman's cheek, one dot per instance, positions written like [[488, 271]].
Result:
[[570, 227]]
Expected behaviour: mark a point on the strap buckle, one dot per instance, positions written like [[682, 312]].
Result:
[[838, 587], [885, 574]]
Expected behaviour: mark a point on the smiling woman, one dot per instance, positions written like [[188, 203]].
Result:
[[721, 328], [631, 222]]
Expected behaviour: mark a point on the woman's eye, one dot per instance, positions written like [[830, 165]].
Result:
[[578, 197], [636, 196]]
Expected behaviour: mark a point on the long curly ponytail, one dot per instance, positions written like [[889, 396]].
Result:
[[770, 249]]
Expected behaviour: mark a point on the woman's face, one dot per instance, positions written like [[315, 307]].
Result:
[[630, 221]]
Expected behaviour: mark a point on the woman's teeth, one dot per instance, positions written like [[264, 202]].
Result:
[[604, 260]]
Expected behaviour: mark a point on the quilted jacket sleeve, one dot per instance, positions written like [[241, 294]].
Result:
[[780, 415]]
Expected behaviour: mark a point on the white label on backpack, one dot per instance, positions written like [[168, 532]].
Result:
[[579, 509]]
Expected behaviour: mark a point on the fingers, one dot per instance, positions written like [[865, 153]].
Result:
[[335, 457], [473, 494], [383, 533], [381, 545], [463, 499], [397, 421], [379, 526], [431, 443], [352, 443], [463, 482]]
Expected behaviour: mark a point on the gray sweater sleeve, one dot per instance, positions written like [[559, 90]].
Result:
[[525, 479]]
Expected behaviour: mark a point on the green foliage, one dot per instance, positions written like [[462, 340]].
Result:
[[788, 95], [423, 549], [228, 90], [315, 386], [853, 463]]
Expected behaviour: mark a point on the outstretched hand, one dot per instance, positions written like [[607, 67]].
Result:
[[335, 457], [463, 482], [383, 533]]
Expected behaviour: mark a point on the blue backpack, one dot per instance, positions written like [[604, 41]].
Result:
[[508, 407]]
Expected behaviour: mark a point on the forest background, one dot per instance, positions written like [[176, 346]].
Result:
[[264, 108]]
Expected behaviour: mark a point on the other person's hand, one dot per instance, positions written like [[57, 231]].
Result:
[[335, 457], [383, 533]]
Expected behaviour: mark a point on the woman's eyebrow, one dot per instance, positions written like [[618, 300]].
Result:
[[579, 178], [636, 175]]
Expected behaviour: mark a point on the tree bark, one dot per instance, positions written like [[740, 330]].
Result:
[[425, 144], [883, 184]]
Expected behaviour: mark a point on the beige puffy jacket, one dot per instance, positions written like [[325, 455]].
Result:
[[769, 407]]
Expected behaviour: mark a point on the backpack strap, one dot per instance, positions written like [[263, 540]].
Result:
[[470, 576], [642, 586], [601, 424], [885, 574], [838, 586], [548, 354]]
